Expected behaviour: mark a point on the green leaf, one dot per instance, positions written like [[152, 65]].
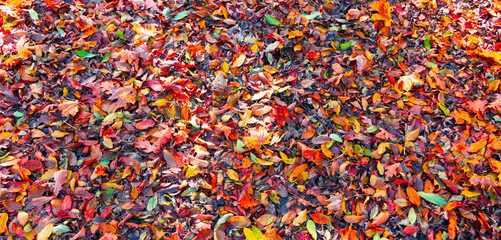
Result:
[[249, 234], [372, 129], [85, 54], [106, 57], [257, 232], [120, 34], [271, 20], [433, 198], [312, 15], [444, 109], [33, 15], [412, 216], [336, 137], [152, 203], [427, 43], [61, 228], [312, 228], [240, 146], [61, 32], [142, 236], [346, 45], [182, 15], [18, 114], [430, 64]]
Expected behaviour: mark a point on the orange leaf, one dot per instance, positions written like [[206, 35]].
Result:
[[68, 108], [413, 196], [233, 175], [475, 147], [239, 221], [381, 218], [353, 218], [3, 222], [321, 219], [412, 135]]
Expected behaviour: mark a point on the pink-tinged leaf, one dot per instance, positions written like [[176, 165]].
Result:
[[11, 205], [40, 201], [60, 179], [147, 123], [145, 145], [155, 85]]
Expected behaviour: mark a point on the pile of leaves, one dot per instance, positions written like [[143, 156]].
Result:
[[253, 119]]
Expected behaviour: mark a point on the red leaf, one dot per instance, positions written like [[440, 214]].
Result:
[[60, 179], [320, 218], [147, 123], [410, 230]]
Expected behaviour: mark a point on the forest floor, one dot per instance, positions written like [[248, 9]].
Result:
[[152, 119]]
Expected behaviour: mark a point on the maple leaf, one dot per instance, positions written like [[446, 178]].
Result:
[[68, 108], [384, 12], [258, 136]]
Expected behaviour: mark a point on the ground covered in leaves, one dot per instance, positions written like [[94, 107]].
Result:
[[250, 119]]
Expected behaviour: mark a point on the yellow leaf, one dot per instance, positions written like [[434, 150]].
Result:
[[301, 218], [469, 194], [192, 171], [475, 147], [160, 103], [107, 142], [226, 67], [263, 162], [5, 135], [46, 232], [233, 175], [58, 134], [239, 61], [3, 222], [286, 159]]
